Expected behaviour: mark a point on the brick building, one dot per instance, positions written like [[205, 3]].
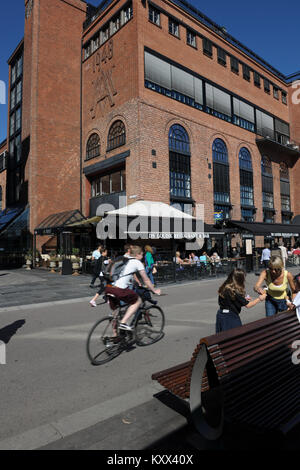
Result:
[[153, 101]]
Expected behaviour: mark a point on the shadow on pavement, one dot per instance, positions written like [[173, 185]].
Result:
[[234, 437], [8, 331]]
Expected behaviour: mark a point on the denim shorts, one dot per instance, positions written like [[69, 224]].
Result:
[[274, 306]]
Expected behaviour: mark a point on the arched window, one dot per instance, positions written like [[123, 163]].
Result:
[[266, 166], [285, 193], [179, 139], [93, 147], [267, 190], [222, 204], [245, 159], [116, 135], [220, 153], [246, 185], [180, 166]]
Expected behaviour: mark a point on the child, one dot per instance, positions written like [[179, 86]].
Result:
[[232, 297]]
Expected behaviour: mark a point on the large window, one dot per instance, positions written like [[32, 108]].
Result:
[[285, 193], [246, 185], [221, 178], [218, 102], [243, 115], [93, 147], [180, 165], [178, 83], [109, 184], [116, 135], [267, 190]]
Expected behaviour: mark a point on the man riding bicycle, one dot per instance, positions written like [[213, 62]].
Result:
[[122, 289]]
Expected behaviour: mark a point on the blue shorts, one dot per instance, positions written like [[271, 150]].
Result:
[[274, 306]]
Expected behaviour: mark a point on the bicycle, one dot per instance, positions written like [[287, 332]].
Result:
[[106, 340]]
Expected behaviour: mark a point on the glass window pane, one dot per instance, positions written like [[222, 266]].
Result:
[[105, 183], [116, 182]]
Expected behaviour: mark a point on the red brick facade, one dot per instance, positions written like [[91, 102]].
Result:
[[65, 102], [51, 106]]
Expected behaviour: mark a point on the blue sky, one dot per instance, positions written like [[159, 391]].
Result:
[[266, 27]]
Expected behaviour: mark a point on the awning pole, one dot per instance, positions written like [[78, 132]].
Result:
[[33, 251]]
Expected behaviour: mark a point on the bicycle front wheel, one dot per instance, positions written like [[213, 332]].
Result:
[[102, 346], [149, 326]]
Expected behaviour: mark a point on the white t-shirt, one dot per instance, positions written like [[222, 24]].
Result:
[[126, 279]]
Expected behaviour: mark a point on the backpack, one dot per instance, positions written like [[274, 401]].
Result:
[[113, 271]]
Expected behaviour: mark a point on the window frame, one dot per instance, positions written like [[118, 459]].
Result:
[[233, 61], [246, 73], [207, 47], [154, 16], [116, 140], [222, 55], [93, 150], [173, 27], [194, 42]]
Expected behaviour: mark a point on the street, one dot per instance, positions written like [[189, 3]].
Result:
[[51, 397]]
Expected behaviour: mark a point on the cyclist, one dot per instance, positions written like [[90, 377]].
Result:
[[122, 288]]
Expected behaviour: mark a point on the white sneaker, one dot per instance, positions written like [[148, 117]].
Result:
[[124, 326], [93, 303]]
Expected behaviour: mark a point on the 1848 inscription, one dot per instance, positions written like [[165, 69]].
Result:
[[103, 85]]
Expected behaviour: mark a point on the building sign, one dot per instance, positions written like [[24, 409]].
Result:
[[285, 235], [177, 235]]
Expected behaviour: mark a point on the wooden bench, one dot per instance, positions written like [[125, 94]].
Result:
[[245, 375]]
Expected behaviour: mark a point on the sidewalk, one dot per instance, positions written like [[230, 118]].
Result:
[[19, 287]]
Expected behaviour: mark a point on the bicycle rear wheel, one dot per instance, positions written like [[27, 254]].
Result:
[[149, 326], [102, 346]]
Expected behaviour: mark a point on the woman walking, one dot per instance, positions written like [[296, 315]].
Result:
[[278, 280], [232, 297], [149, 262]]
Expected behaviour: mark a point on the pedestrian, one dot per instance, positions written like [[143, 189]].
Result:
[[232, 297], [149, 262], [266, 255], [96, 264], [278, 280], [284, 254]]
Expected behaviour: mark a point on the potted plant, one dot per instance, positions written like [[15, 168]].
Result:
[[28, 258], [37, 258], [53, 261]]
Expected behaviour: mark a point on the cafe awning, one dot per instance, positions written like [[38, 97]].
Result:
[[263, 229], [152, 220], [93, 221], [55, 223], [7, 216]]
